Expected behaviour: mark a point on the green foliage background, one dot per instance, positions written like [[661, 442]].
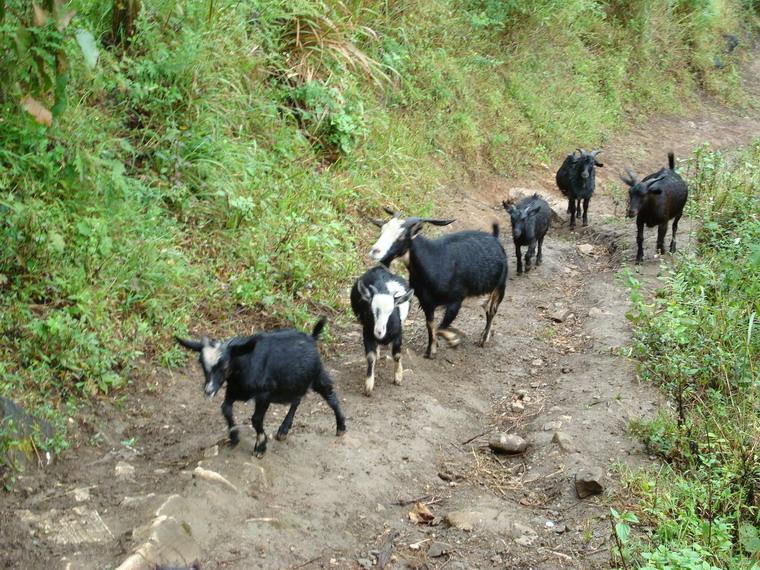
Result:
[[221, 161]]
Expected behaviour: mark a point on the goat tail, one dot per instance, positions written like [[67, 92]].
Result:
[[318, 328], [495, 229], [671, 161]]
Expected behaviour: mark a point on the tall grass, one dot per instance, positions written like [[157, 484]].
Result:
[[698, 339], [212, 171]]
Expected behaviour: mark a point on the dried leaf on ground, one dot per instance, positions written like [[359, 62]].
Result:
[[37, 110], [420, 514]]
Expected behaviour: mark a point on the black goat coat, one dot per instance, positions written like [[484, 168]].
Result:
[[456, 266], [569, 179], [281, 368], [657, 209]]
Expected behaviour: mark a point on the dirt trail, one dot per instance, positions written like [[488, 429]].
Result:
[[317, 501]]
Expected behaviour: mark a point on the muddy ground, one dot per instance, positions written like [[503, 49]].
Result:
[[555, 366]]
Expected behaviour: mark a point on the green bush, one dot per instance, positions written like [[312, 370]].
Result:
[[697, 338]]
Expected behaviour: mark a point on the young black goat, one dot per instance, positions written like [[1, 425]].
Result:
[[445, 271], [530, 222], [270, 367], [576, 179], [654, 201], [380, 300]]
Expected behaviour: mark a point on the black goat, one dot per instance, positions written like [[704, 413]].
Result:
[[576, 179], [443, 272], [270, 367], [654, 201], [530, 222], [380, 300]]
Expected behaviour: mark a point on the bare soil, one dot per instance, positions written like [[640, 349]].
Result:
[[317, 501]]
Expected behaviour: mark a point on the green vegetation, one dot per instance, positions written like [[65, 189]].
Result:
[[181, 165], [699, 340]]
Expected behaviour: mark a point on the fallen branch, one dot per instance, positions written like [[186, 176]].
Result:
[[474, 437]]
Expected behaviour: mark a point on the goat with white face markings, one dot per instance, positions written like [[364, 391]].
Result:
[[445, 271], [271, 367], [380, 300]]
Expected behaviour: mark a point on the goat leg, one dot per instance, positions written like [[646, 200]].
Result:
[[287, 423], [370, 351], [639, 241], [231, 427], [673, 235], [258, 424], [398, 369], [585, 211], [519, 259], [324, 387], [662, 229]]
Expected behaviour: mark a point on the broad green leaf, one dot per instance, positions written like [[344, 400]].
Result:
[[89, 48], [622, 531]]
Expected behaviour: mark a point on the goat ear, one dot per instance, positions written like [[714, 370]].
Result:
[[507, 206], [240, 346], [195, 345], [597, 163], [375, 222], [363, 291], [403, 298], [534, 210], [655, 190]]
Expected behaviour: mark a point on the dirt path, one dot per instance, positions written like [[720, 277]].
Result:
[[317, 501]]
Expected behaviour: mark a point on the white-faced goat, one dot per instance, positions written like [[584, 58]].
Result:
[[530, 222], [445, 271], [271, 367], [380, 300], [654, 201], [576, 179]]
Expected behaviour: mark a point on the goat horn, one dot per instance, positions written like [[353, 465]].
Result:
[[392, 212], [596, 153]]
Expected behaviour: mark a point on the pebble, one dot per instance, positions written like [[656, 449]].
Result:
[[437, 549], [552, 426], [564, 441], [518, 406], [507, 443], [588, 482]]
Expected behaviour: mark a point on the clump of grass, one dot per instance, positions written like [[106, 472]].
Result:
[[698, 340]]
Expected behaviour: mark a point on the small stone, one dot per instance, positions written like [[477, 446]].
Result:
[[211, 452], [537, 362], [497, 560], [507, 443], [549, 524], [518, 406], [464, 520], [552, 426], [595, 312], [564, 441], [566, 370], [82, 494], [379, 508], [586, 248], [560, 528], [560, 315], [522, 393], [364, 562], [555, 409], [437, 549], [524, 535], [588, 482], [124, 470]]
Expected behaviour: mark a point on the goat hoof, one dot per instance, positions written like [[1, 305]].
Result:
[[234, 440], [281, 436], [340, 432]]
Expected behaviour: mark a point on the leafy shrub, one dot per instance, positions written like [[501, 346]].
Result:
[[697, 339]]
